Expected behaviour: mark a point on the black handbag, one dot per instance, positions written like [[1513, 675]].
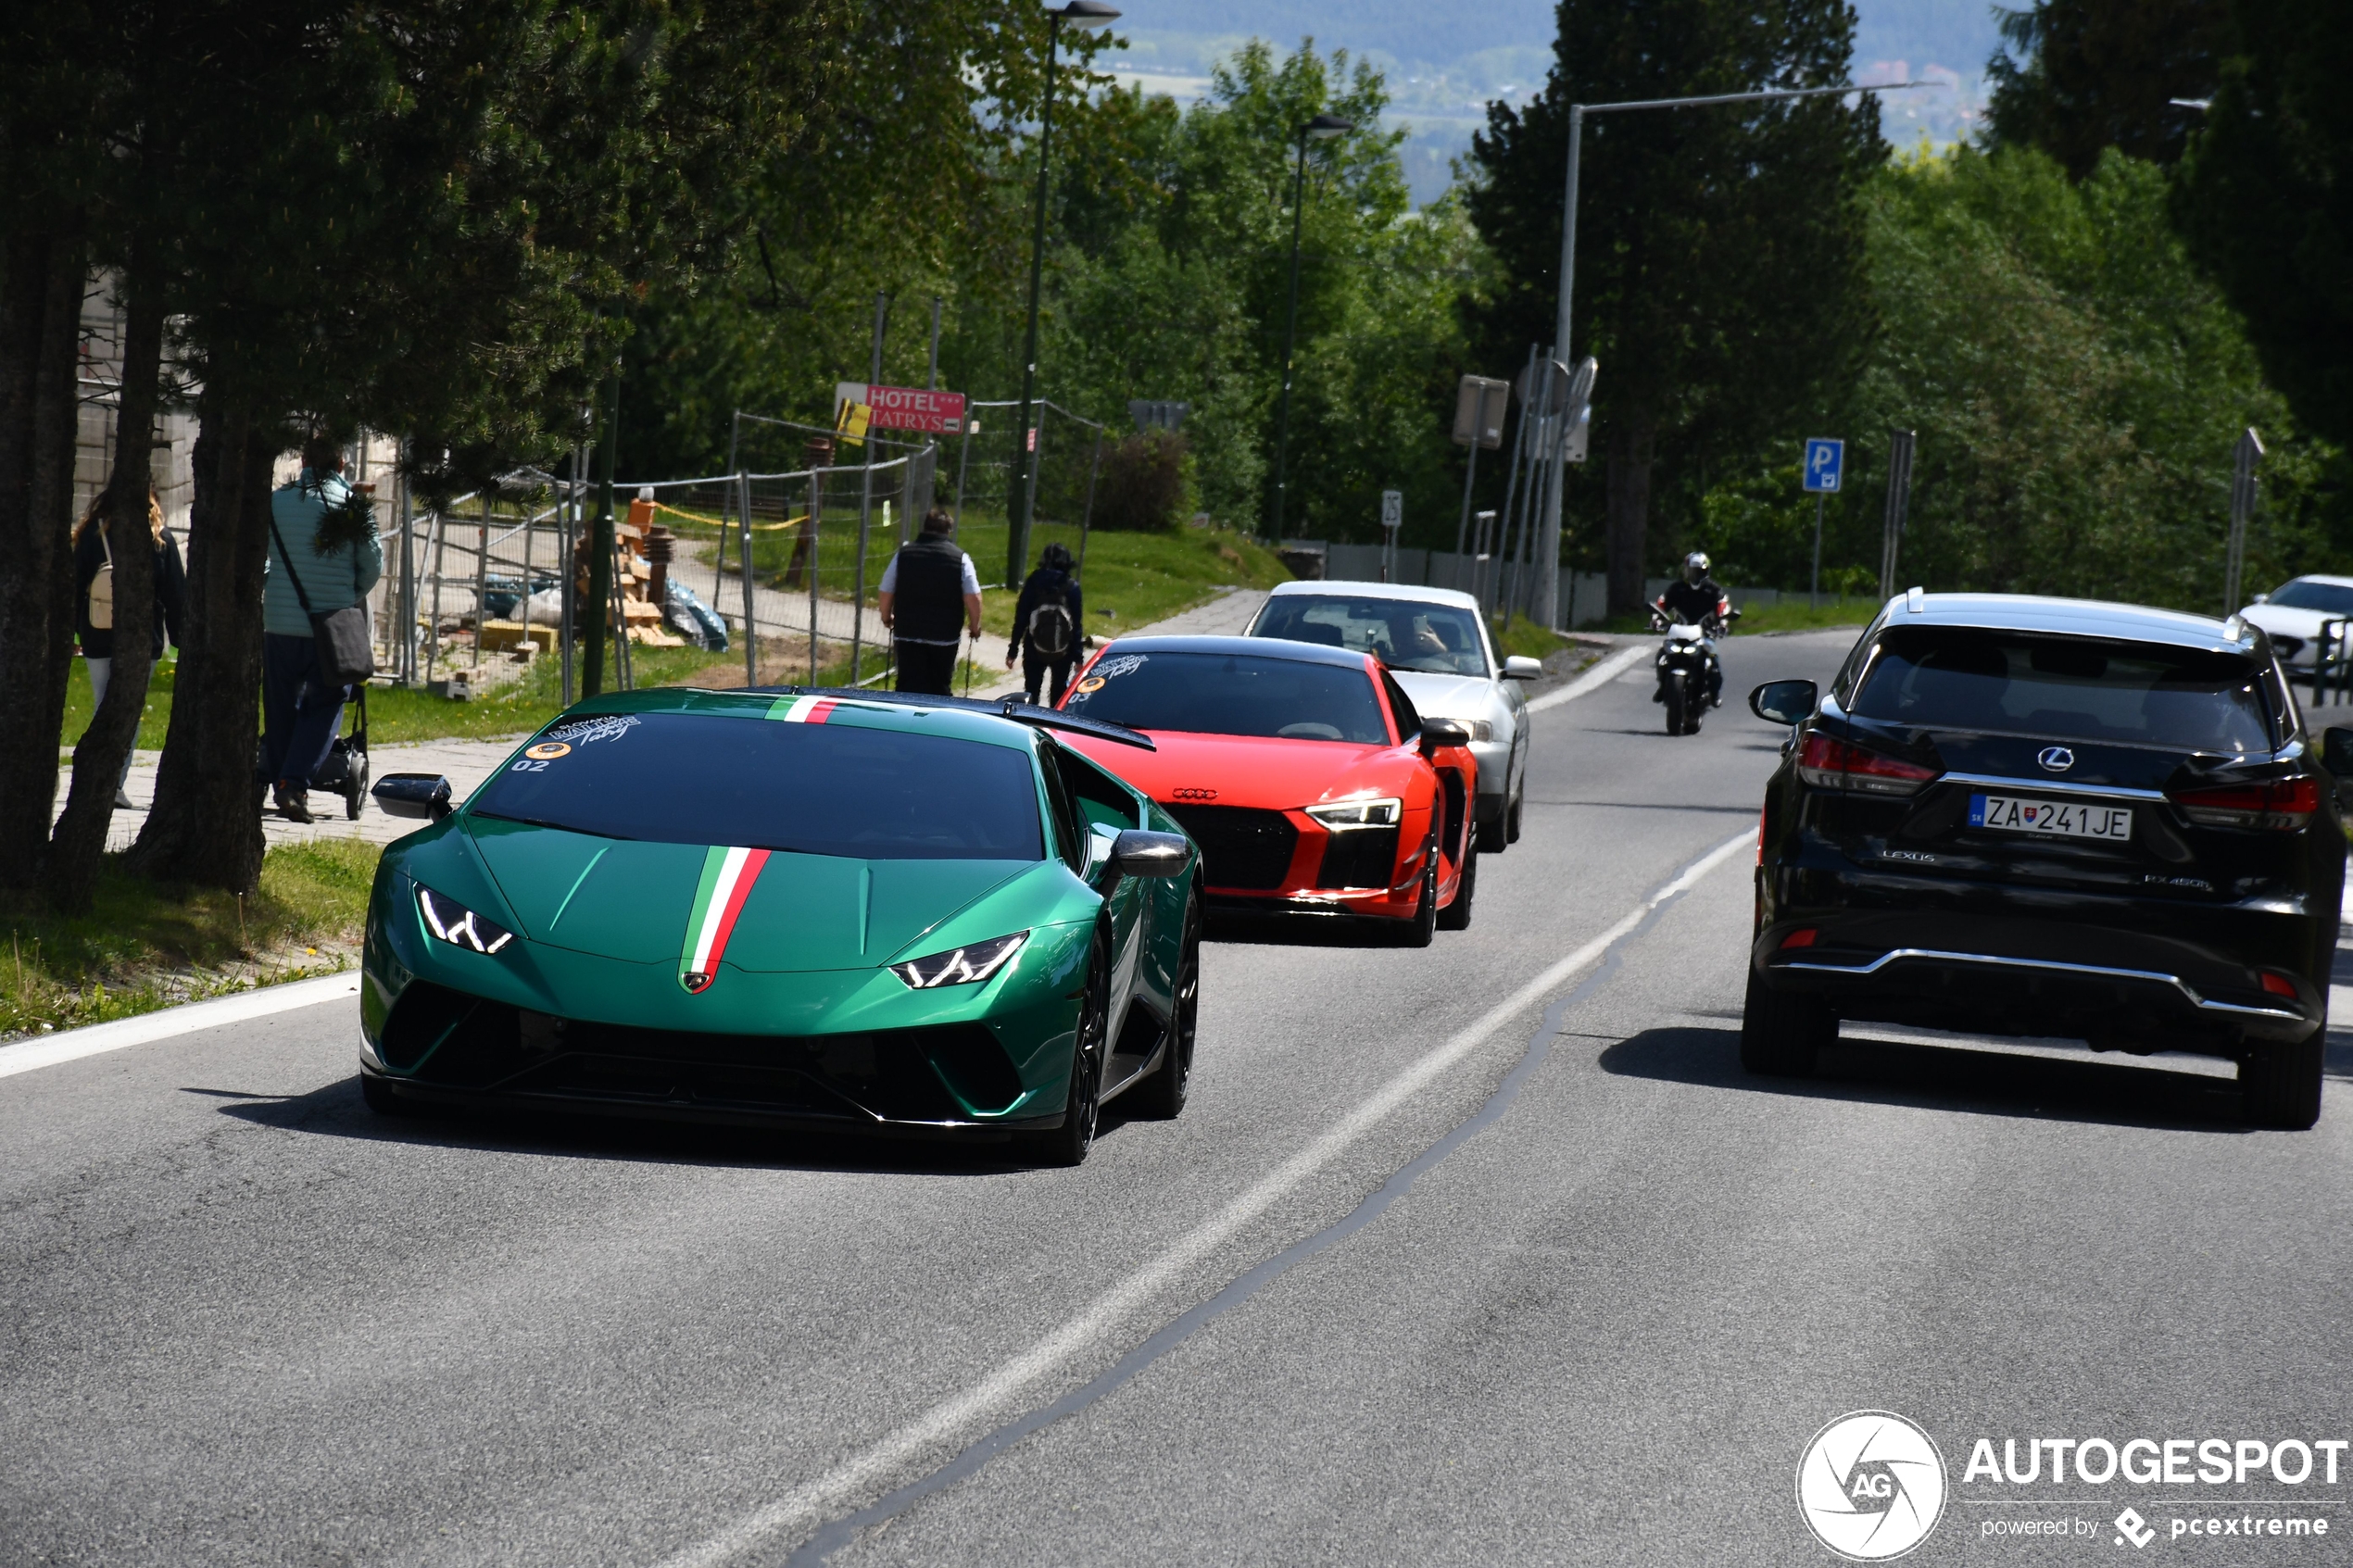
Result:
[[346, 643]]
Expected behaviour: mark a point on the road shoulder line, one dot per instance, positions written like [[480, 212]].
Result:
[[97, 1039], [808, 1503], [1592, 680]]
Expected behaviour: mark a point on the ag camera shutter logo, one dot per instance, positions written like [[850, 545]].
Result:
[[1870, 1485]]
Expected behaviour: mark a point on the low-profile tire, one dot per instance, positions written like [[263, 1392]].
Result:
[[1068, 1145], [1675, 702], [1417, 932], [1694, 712], [384, 1102], [1162, 1095], [1511, 816], [1456, 916], [2280, 1085], [1782, 1032]]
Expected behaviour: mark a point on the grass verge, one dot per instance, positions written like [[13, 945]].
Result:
[[146, 945], [1795, 615]]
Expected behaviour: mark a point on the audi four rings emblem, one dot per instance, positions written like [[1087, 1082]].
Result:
[[2058, 759], [1194, 794]]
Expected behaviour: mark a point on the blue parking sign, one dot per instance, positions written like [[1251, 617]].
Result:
[[1824, 460]]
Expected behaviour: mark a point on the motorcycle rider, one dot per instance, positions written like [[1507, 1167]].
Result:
[[1698, 598]]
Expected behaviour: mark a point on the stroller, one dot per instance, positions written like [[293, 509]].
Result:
[[345, 770]]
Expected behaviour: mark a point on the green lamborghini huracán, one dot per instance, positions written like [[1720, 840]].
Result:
[[832, 910]]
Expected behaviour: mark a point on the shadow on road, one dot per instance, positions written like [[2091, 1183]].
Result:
[[1984, 1081], [336, 1111]]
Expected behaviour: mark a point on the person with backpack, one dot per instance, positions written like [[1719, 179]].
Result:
[[929, 595], [323, 558], [93, 602], [1049, 626]]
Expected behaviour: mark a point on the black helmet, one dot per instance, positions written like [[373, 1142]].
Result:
[[1695, 569], [1057, 555]]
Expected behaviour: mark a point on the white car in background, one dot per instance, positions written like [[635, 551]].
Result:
[[2292, 613], [1436, 645]]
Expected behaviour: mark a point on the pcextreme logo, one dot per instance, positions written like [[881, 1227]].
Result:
[[1870, 1485]]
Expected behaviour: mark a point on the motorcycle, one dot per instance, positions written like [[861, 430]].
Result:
[[1689, 679]]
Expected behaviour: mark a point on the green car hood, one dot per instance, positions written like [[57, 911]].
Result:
[[635, 900]]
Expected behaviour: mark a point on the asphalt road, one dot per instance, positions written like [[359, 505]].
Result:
[[1483, 1254]]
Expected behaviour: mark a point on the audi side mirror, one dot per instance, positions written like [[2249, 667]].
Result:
[[1784, 702], [1136, 852], [413, 795], [1439, 732], [1519, 666]]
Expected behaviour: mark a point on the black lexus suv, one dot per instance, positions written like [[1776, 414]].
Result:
[[2050, 817]]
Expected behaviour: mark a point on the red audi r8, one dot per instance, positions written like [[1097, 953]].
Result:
[[1303, 771]]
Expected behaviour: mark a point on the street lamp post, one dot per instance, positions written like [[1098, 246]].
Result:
[[1323, 128], [1547, 586], [1022, 503]]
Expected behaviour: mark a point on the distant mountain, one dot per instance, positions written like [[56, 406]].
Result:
[[1445, 63]]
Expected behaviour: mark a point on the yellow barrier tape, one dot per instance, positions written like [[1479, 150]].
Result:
[[723, 523]]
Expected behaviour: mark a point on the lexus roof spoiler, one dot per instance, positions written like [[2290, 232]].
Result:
[[1018, 709]]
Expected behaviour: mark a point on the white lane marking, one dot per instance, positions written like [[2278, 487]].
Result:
[[1594, 679], [863, 1470], [98, 1038]]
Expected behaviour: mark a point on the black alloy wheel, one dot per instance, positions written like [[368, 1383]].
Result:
[[1417, 932], [1456, 916], [1068, 1144], [1782, 1032], [1163, 1095], [2280, 1085], [1675, 702]]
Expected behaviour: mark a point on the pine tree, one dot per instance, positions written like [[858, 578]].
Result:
[[2102, 73], [1719, 267]]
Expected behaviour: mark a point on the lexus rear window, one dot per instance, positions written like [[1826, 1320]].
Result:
[[1232, 694], [2065, 688], [812, 789]]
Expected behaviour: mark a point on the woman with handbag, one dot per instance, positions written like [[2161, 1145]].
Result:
[[324, 555], [93, 601]]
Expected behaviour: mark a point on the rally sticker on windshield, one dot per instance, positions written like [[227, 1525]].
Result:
[[727, 876], [585, 732], [804, 709]]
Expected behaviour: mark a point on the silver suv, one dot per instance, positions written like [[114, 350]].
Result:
[[1435, 643]]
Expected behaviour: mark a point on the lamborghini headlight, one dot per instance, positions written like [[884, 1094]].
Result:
[[966, 965], [458, 925], [1383, 813]]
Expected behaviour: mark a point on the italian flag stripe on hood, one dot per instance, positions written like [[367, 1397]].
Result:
[[802, 709], [727, 876]]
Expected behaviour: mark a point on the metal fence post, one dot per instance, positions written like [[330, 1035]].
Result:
[[1087, 517], [2250, 447], [1899, 496]]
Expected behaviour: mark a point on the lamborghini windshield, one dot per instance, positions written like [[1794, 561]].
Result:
[[1434, 639], [814, 789], [1229, 693]]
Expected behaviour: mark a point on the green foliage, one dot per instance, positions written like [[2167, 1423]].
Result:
[[2266, 198], [2076, 387], [2101, 73], [144, 944], [1721, 270], [1144, 482]]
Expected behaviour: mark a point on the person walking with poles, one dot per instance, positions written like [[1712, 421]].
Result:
[[1049, 626], [930, 595], [324, 555]]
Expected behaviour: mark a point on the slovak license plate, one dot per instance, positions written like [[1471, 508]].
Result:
[[2059, 819]]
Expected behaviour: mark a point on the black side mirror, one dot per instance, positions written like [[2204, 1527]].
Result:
[[1136, 852], [413, 795], [1436, 732], [1784, 702]]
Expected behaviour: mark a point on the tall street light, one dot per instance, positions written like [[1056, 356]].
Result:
[[1323, 128], [1548, 582], [1023, 503]]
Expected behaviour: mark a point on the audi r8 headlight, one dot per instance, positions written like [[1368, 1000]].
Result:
[[458, 925], [966, 965], [1381, 814]]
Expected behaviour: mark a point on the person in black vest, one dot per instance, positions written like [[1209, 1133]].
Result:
[[930, 595], [1049, 625]]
